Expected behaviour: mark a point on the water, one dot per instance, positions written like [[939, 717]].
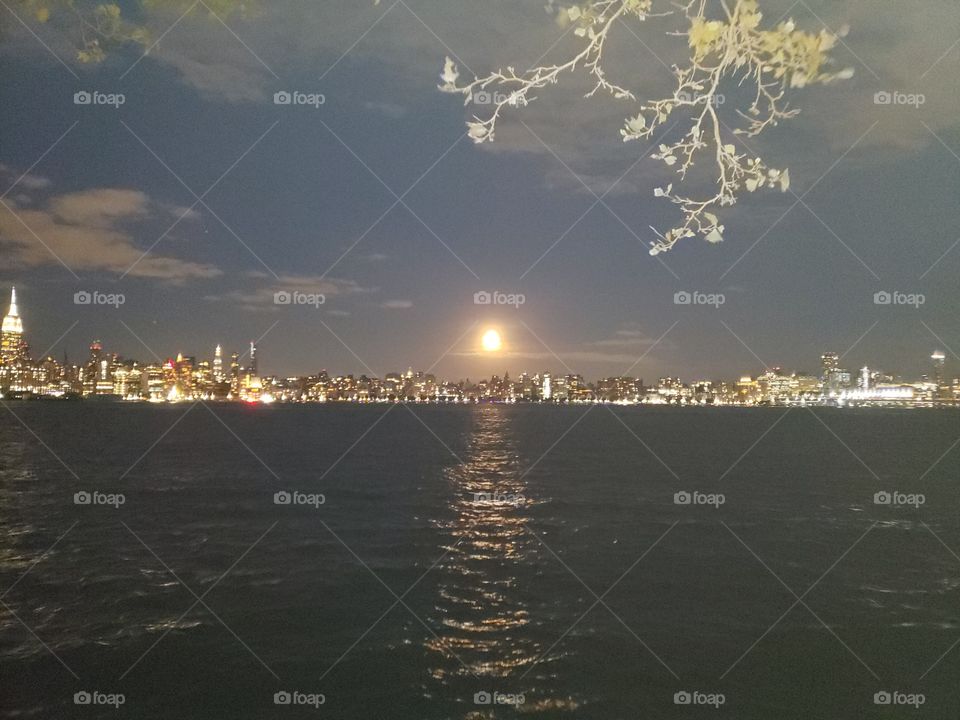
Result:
[[401, 596]]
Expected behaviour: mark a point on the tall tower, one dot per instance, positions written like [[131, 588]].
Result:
[[829, 362], [12, 346], [253, 370], [218, 365], [94, 368], [938, 359], [235, 375]]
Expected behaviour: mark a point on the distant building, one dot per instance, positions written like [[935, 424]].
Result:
[[218, 365], [15, 370], [829, 363], [939, 360], [253, 369], [12, 346]]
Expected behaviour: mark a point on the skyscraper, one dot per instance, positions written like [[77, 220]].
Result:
[[252, 368], [235, 375], [829, 362], [15, 367], [12, 347], [938, 359], [218, 365]]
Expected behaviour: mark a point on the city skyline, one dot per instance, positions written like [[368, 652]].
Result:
[[182, 377]]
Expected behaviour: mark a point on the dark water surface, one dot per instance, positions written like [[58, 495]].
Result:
[[581, 586]]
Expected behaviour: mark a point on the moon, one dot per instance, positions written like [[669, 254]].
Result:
[[491, 341]]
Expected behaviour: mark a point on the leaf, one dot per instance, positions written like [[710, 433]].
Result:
[[450, 73], [785, 181], [714, 236], [637, 124], [477, 131], [751, 184]]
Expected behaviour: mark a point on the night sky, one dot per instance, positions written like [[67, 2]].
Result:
[[306, 199]]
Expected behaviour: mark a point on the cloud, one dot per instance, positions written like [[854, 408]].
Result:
[[25, 181], [183, 213], [261, 296], [220, 63], [626, 338], [86, 231], [398, 304], [100, 208]]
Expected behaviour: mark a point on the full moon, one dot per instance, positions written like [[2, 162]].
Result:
[[491, 341]]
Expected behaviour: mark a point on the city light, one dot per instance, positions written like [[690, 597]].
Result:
[[184, 378]]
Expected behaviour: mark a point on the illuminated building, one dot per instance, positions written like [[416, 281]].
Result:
[[12, 346], [15, 371], [96, 373], [829, 362], [127, 379], [152, 383], [837, 380], [184, 368], [668, 389], [251, 388], [235, 375], [938, 359], [218, 365], [808, 386], [203, 379]]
